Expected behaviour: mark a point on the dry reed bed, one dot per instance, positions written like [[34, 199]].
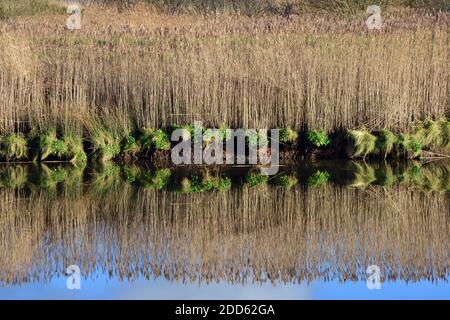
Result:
[[139, 69], [251, 234]]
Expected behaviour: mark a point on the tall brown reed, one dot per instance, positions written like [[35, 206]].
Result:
[[312, 71]]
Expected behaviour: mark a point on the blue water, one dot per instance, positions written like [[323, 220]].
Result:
[[103, 288]]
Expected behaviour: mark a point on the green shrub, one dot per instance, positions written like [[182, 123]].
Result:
[[318, 138], [318, 179]]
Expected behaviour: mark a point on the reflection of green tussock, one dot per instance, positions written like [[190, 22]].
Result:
[[159, 180], [288, 135], [205, 182], [364, 175], [385, 142], [13, 177], [106, 179], [13, 147], [385, 177], [255, 179], [286, 181], [50, 177], [360, 143], [318, 138], [318, 179]]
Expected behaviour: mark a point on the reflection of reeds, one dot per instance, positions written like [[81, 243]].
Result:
[[329, 233]]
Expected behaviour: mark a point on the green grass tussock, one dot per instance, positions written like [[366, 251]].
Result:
[[318, 138], [13, 147], [360, 143]]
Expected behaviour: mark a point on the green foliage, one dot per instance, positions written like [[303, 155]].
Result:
[[318, 138], [318, 179], [75, 149], [161, 178], [286, 181], [224, 183], [255, 179], [360, 143], [408, 147], [160, 140], [153, 139], [288, 136], [13, 147], [145, 139], [385, 142], [130, 145], [105, 145]]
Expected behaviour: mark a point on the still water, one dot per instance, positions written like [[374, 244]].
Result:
[[138, 232]]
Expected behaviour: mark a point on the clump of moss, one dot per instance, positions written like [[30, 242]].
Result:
[[255, 179], [13, 147], [318, 179], [288, 136], [105, 145], [385, 142], [286, 181], [360, 143], [318, 138]]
